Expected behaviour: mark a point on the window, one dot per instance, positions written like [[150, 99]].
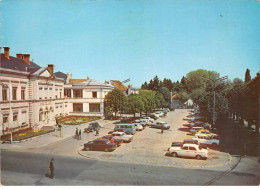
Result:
[[50, 88], [4, 93], [185, 148], [22, 94], [67, 92], [5, 119], [77, 93], [94, 94], [40, 98], [15, 118], [56, 96], [14, 90], [94, 107], [45, 97], [46, 88], [192, 148], [40, 88], [77, 107]]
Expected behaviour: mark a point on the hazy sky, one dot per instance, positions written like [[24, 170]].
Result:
[[135, 39]]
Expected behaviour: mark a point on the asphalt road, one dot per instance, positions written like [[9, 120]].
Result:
[[23, 168]]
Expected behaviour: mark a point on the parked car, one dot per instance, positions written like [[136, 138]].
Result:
[[205, 139], [126, 127], [159, 113], [118, 142], [188, 141], [120, 130], [154, 116], [149, 119], [138, 126], [123, 136], [206, 132], [159, 125], [188, 150], [100, 145], [94, 126], [191, 141], [194, 130], [124, 118]]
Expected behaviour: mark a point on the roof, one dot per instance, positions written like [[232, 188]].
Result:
[[118, 84], [17, 64], [92, 82], [61, 75], [71, 81]]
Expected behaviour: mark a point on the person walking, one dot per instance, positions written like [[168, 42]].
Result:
[[80, 134], [112, 140], [77, 134], [51, 167], [162, 129]]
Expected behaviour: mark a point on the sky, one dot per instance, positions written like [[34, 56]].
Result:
[[136, 39]]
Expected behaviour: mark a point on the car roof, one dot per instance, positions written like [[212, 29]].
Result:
[[125, 124], [191, 145], [101, 139], [117, 132]]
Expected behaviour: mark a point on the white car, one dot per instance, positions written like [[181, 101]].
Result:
[[123, 136], [159, 113], [188, 150], [138, 127], [149, 119], [155, 115], [205, 139]]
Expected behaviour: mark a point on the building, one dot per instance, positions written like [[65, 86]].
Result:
[[86, 98], [31, 96]]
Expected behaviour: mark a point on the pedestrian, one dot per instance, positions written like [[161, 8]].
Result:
[[77, 134], [162, 129], [97, 132], [112, 140], [80, 134], [57, 123], [51, 167]]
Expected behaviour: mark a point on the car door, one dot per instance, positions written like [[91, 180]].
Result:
[[192, 151], [184, 152]]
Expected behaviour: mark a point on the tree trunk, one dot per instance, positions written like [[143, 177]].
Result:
[[134, 115]]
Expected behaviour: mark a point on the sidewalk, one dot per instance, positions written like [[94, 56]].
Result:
[[47, 139]]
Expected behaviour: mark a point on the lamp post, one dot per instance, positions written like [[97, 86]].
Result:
[[125, 81], [214, 95], [3, 84]]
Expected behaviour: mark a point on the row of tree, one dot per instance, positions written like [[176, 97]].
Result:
[[145, 101]]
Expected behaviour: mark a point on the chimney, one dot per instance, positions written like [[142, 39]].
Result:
[[51, 67], [19, 56], [6, 51], [26, 58]]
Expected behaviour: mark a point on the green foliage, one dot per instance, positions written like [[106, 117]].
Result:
[[166, 94], [159, 100], [168, 84], [148, 98], [134, 104], [114, 101]]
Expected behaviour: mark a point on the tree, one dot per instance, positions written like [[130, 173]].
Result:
[[154, 84], [144, 86], [247, 76], [134, 104], [159, 100], [114, 101], [148, 99], [168, 84], [166, 95]]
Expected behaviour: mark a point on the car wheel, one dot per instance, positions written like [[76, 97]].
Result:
[[87, 149], [198, 157], [214, 145], [174, 154], [106, 150]]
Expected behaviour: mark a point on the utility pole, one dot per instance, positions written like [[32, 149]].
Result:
[[214, 95]]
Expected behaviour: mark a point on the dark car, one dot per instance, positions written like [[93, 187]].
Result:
[[100, 145], [117, 141], [191, 141], [94, 127], [175, 144]]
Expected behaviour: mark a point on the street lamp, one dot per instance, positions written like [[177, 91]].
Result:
[[3, 84], [214, 95]]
